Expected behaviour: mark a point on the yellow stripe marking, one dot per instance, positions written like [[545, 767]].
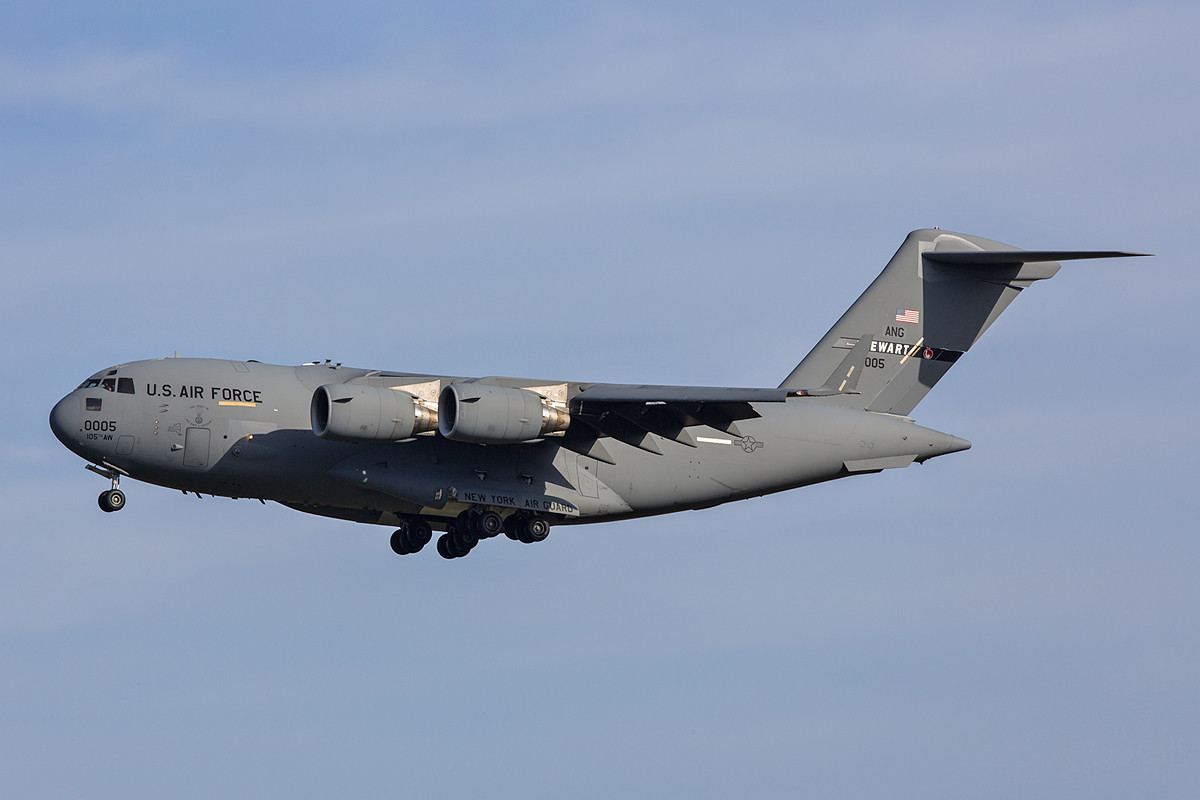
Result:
[[913, 350], [236, 403]]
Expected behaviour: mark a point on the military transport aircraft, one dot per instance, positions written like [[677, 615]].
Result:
[[476, 457]]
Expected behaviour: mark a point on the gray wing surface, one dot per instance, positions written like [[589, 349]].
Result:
[[631, 413], [614, 394]]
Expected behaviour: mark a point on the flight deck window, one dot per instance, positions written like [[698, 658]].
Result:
[[125, 385], [93, 403], [108, 384], [90, 383]]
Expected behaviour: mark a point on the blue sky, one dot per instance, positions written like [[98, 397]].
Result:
[[662, 192]]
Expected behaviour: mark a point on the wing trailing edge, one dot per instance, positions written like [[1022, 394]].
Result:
[[634, 415]]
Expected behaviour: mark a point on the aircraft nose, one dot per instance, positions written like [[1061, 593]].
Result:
[[64, 420]]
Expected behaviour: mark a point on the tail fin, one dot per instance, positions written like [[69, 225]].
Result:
[[932, 301]]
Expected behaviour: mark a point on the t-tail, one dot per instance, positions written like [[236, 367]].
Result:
[[933, 300]]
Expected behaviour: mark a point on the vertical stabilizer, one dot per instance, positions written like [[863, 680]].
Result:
[[933, 300]]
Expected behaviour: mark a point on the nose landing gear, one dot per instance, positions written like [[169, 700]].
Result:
[[114, 498]]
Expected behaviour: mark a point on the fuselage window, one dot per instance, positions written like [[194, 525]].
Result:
[[125, 385]]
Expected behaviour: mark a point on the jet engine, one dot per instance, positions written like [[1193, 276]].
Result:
[[350, 413], [476, 412]]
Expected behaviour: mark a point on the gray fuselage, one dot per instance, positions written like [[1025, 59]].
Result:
[[243, 429]]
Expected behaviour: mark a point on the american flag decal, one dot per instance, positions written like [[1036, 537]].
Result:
[[908, 315]]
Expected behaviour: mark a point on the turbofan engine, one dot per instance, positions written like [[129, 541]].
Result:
[[476, 412], [350, 413]]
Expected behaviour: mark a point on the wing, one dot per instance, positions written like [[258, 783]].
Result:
[[631, 413]]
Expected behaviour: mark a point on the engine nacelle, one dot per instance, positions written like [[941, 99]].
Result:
[[477, 412], [350, 413]]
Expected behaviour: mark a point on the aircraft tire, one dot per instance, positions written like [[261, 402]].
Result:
[[512, 526], [489, 524], [456, 547], [468, 523], [443, 546], [464, 533], [112, 500], [536, 530], [419, 534], [399, 542], [464, 540]]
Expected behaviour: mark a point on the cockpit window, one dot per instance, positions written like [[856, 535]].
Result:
[[90, 383], [93, 403], [108, 384], [125, 385]]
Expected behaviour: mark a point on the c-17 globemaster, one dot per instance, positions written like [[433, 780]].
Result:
[[476, 457]]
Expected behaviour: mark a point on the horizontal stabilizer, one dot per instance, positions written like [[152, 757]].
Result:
[[993, 258]]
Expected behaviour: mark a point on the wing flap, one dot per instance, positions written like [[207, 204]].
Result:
[[632, 413]]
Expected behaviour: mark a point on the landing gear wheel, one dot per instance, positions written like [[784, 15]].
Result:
[[410, 537], [464, 533], [539, 529], [464, 541], [399, 542], [112, 500], [419, 534], [512, 526], [534, 530], [489, 524], [448, 546]]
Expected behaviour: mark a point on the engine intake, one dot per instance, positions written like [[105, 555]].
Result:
[[476, 412], [349, 413]]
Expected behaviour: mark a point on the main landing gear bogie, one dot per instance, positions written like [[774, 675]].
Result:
[[471, 526], [411, 537], [526, 528]]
